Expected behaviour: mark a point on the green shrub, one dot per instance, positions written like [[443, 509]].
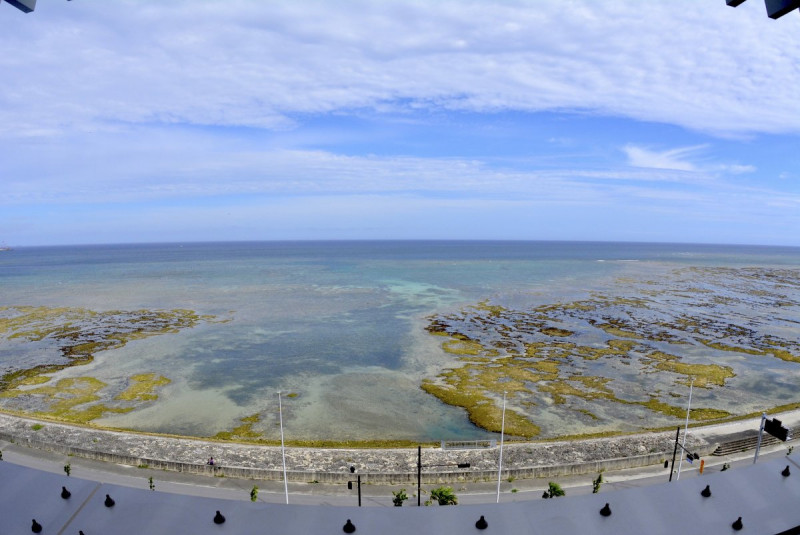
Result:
[[596, 483], [444, 495], [399, 497], [553, 491]]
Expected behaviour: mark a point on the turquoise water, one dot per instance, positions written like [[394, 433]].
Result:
[[340, 324]]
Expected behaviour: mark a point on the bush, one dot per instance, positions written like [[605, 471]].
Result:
[[596, 483], [444, 495], [399, 497], [553, 491]]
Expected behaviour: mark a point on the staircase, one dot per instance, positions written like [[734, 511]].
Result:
[[744, 443]]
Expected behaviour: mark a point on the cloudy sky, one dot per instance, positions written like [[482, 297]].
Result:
[[204, 120]]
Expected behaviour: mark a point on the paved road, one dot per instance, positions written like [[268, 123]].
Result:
[[372, 495]]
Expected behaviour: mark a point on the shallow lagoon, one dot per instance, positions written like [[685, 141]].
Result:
[[344, 328]]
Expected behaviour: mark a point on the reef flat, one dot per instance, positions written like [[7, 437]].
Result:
[[633, 349], [63, 338], [615, 358]]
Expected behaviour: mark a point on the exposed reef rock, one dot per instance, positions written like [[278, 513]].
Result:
[[631, 347], [71, 337]]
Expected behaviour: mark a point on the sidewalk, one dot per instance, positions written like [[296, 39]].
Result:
[[379, 494]]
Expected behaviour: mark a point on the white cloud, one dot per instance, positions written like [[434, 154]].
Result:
[[259, 64], [674, 159], [737, 169], [687, 159], [188, 109]]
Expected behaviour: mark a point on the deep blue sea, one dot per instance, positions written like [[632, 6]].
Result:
[[341, 324]]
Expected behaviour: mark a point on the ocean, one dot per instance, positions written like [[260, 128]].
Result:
[[349, 332]]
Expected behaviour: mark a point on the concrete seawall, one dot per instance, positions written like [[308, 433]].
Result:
[[377, 466], [377, 477]]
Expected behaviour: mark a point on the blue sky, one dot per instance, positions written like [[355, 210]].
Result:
[[150, 121]]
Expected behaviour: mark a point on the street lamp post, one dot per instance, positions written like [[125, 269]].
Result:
[[419, 472], [358, 482], [502, 435], [686, 429], [283, 449], [690, 456], [419, 476]]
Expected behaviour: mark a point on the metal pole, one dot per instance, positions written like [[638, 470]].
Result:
[[419, 476], [686, 430], [283, 449], [760, 434], [359, 489], [502, 433], [675, 452]]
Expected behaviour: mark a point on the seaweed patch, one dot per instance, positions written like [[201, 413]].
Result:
[[630, 347], [70, 337]]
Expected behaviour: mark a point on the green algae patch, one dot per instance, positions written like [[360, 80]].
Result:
[[725, 347], [555, 331], [594, 388], [474, 387], [702, 414], [770, 348], [244, 432], [587, 412], [622, 350], [31, 381], [463, 347], [493, 310], [71, 400], [75, 399], [482, 410], [142, 387], [704, 375], [69, 337], [613, 348], [617, 328]]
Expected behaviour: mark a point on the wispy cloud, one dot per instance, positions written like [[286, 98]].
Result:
[[737, 169], [687, 159], [258, 64], [675, 159], [203, 117]]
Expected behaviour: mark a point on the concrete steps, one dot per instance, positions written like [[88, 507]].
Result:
[[745, 443]]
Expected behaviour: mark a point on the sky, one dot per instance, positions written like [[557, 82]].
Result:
[[219, 120]]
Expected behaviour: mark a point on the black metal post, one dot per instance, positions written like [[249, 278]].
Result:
[[419, 476], [674, 453], [359, 489]]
